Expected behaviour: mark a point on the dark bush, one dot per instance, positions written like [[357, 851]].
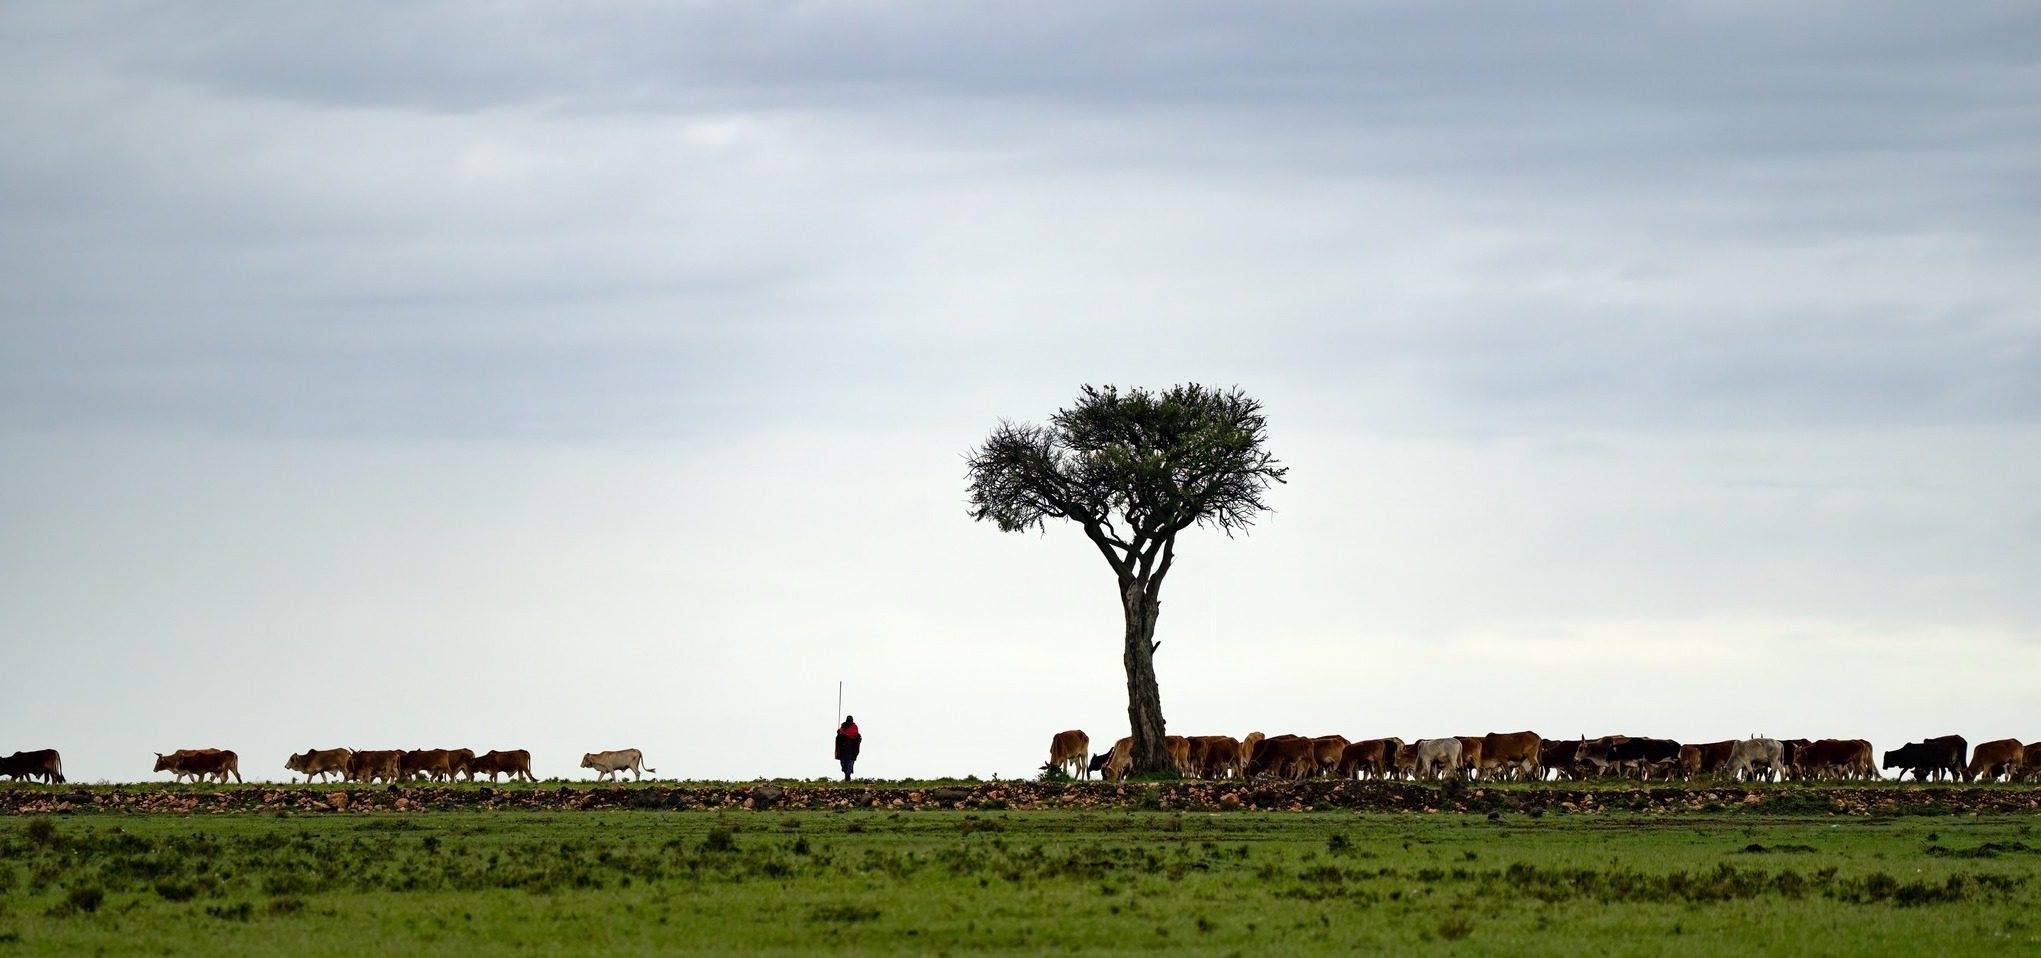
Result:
[[240, 912], [86, 898]]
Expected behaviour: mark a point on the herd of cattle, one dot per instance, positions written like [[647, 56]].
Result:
[[1526, 756], [365, 765], [1496, 756]]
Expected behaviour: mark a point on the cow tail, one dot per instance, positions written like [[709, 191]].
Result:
[[60, 769]]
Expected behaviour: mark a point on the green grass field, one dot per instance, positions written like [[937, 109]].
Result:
[[1041, 882]]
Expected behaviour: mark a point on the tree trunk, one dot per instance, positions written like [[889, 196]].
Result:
[[1144, 696]]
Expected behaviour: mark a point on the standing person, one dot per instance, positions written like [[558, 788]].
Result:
[[848, 741]]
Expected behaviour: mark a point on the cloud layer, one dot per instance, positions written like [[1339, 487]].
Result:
[[560, 353]]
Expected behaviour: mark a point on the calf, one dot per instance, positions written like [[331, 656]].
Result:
[[1067, 750], [1690, 762], [319, 762]]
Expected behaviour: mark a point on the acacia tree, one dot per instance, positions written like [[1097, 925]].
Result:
[[1133, 469]]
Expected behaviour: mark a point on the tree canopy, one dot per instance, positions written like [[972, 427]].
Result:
[[1133, 469]]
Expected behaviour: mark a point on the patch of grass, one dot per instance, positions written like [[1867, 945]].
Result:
[[719, 839], [799, 881], [843, 913]]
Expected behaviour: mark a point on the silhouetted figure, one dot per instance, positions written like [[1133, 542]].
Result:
[[848, 741]]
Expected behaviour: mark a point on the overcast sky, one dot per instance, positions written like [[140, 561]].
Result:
[[576, 377]]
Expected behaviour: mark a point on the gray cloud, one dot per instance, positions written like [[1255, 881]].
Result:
[[528, 338], [436, 192]]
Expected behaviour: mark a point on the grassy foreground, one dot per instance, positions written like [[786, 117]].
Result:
[[1043, 882]]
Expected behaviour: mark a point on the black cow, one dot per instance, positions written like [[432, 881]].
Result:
[[1099, 762], [44, 764], [1558, 757], [1945, 755], [1789, 750], [1646, 752]]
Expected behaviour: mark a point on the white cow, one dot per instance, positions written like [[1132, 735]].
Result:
[[607, 764], [1442, 753], [1749, 754]]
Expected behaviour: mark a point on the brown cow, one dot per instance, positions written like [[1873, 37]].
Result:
[[1830, 757], [433, 763], [1689, 766], [1120, 759], [1179, 749], [1284, 756], [1706, 758], [1217, 756], [1814, 759], [1248, 748], [174, 762], [517, 763], [1510, 754], [1405, 763], [1067, 749], [368, 766], [1470, 755], [1370, 758], [1989, 760], [320, 762], [1325, 754], [200, 764], [2030, 770], [44, 763]]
